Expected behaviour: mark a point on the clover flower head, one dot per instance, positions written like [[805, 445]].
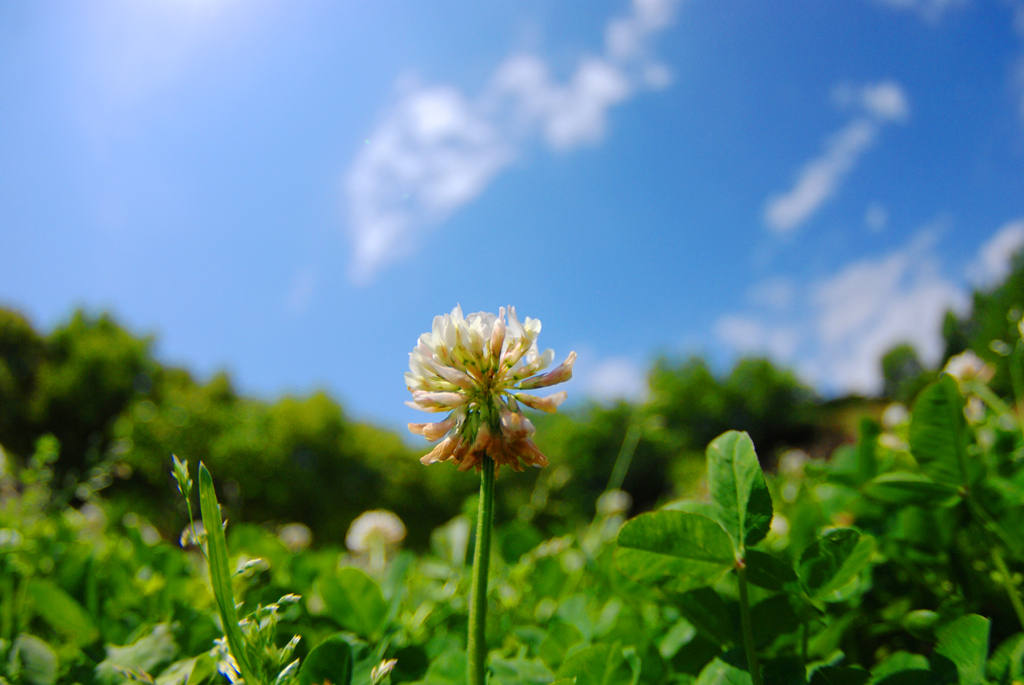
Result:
[[475, 367], [968, 366], [295, 536], [379, 524]]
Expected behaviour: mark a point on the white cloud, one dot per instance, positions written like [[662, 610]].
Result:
[[873, 305], [1018, 84], [995, 258], [876, 217], [438, 149], [301, 291], [821, 177], [614, 378], [749, 336], [776, 293], [845, 323], [932, 10]]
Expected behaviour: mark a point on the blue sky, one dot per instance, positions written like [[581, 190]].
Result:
[[292, 190]]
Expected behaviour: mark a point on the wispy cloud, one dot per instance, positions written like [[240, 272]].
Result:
[[842, 325], [300, 292], [614, 378], [437, 148], [873, 305], [995, 258], [747, 335], [876, 217], [932, 10], [820, 178]]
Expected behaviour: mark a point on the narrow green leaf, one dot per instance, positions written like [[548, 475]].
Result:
[[938, 433], [767, 571], [354, 600], [220, 574], [600, 664], [965, 643], [674, 550], [62, 612], [903, 488], [739, 495], [330, 661], [833, 560]]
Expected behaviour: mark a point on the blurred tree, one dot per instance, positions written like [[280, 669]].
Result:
[[904, 375], [90, 372], [757, 397], [21, 353]]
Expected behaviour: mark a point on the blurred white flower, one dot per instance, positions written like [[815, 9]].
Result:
[[974, 409], [374, 527], [614, 502], [894, 415], [473, 367], [792, 463], [968, 366], [295, 536]]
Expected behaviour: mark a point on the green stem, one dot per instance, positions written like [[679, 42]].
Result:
[[625, 457], [748, 627], [1011, 589], [477, 643]]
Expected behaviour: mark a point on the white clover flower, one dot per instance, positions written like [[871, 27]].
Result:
[[613, 503], [475, 367], [894, 415], [968, 366], [295, 536], [380, 525]]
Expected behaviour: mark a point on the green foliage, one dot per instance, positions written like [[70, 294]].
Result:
[[675, 550], [354, 600], [217, 557], [898, 560], [833, 561], [330, 661], [739, 496], [990, 329], [767, 403], [904, 374], [938, 434]]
